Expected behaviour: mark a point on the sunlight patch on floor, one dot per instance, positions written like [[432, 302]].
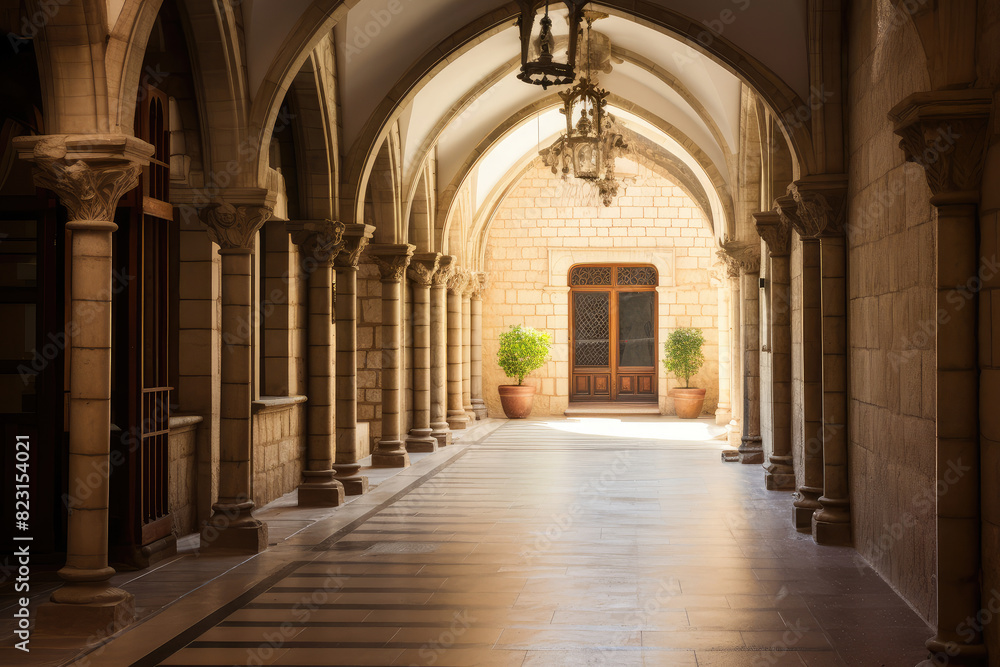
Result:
[[697, 431]]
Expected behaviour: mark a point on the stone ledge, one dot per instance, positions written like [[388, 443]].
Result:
[[184, 423], [267, 404]]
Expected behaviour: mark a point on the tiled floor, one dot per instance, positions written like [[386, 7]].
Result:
[[593, 542]]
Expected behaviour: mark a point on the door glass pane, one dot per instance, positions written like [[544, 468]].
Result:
[[591, 328], [636, 329]]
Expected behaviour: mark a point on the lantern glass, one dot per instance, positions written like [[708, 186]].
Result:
[[587, 158]]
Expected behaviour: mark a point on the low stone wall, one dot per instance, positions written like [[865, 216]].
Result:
[[279, 437], [182, 483]]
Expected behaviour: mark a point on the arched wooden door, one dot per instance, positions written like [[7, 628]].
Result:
[[613, 345]]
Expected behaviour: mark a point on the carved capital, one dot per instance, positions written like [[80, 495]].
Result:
[[423, 267], [741, 258], [458, 280], [821, 203], [233, 226], [356, 238], [776, 232], [320, 240], [444, 272], [946, 132], [480, 281], [728, 268], [788, 210], [89, 173], [391, 260]]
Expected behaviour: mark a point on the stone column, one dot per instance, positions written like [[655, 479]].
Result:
[[439, 353], [821, 202], [478, 404], [458, 418], [735, 351], [777, 235], [947, 133], [319, 242], [391, 261], [89, 174], [746, 259], [356, 238], [723, 413], [233, 225], [470, 287], [421, 272]]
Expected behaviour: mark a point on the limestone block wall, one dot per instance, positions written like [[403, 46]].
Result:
[[892, 309], [182, 493], [544, 228], [369, 353], [279, 451]]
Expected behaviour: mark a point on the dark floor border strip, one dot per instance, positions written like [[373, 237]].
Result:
[[328, 645], [179, 641]]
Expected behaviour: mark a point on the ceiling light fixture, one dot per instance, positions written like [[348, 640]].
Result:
[[538, 64]]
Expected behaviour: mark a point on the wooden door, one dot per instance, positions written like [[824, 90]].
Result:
[[613, 320]]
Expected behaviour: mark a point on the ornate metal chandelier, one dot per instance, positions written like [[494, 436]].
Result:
[[538, 64], [592, 141]]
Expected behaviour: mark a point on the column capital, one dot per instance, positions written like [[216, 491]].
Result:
[[391, 259], [89, 173], [775, 231], [458, 280], [444, 271], [355, 241], [320, 240], [423, 267], [821, 203], [740, 258], [788, 210], [946, 133], [235, 219], [480, 281]]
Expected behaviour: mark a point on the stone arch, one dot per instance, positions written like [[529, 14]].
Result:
[[420, 217], [382, 207]]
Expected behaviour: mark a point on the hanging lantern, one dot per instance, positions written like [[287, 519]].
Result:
[[538, 60]]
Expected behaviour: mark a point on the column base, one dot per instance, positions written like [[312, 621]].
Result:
[[470, 412], [780, 475], [457, 419], [479, 407], [832, 527], [390, 454], [353, 483], [804, 507], [233, 527], [953, 653], [85, 609], [722, 416], [421, 440], [751, 450], [320, 489], [441, 433]]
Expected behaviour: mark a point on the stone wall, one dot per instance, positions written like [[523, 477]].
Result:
[[279, 450], [892, 314], [182, 492], [544, 227], [369, 353]]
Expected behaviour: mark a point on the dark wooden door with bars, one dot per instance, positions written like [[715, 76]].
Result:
[[613, 318]]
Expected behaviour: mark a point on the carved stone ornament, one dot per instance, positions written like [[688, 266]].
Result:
[[741, 258], [89, 173], [480, 282], [729, 268], [822, 203], [356, 239], [775, 231], [319, 240], [946, 133], [458, 280], [444, 272], [788, 210], [423, 267], [234, 226], [391, 260]]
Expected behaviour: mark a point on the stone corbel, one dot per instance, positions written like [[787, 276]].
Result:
[[320, 240], [423, 268], [946, 133], [355, 240], [89, 173], [821, 203], [234, 221]]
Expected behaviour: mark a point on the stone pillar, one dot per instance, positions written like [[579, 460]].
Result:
[[777, 235], [470, 287], [745, 258], [233, 225], [355, 240], [807, 500], [736, 354], [89, 174], [391, 261], [953, 127], [478, 404], [319, 242], [439, 352], [458, 418], [821, 202], [421, 272], [723, 413]]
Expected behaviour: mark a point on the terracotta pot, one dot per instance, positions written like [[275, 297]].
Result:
[[516, 400], [688, 402]]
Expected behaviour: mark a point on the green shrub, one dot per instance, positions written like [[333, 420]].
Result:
[[683, 353], [522, 350]]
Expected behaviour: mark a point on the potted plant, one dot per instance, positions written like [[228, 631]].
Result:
[[683, 358], [522, 350]]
